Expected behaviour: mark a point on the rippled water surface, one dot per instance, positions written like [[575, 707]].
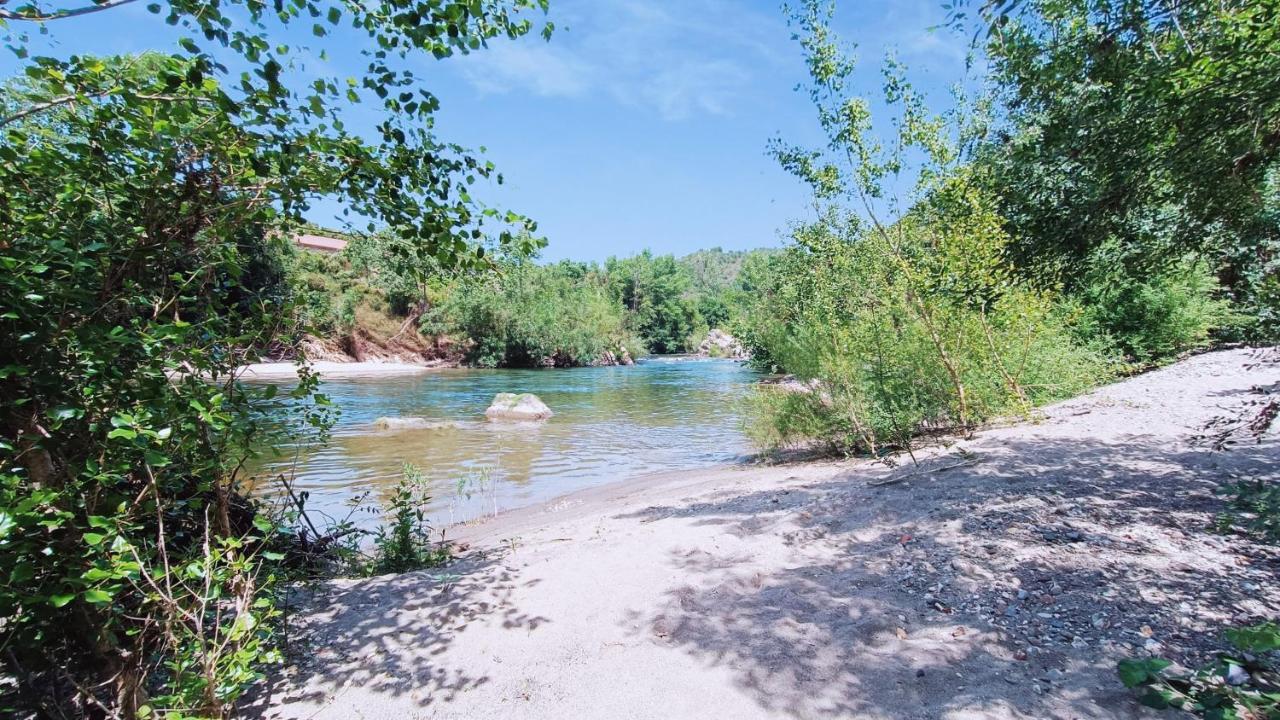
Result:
[[610, 423]]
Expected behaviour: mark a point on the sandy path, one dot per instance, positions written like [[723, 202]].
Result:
[[1006, 587]]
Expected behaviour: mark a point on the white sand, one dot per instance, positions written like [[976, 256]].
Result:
[[289, 371], [800, 591]]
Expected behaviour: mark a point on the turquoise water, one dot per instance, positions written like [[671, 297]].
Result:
[[610, 423]]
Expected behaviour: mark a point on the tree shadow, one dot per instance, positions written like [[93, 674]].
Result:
[[1007, 587], [383, 635]]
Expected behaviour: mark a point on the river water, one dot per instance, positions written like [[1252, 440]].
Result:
[[610, 423]]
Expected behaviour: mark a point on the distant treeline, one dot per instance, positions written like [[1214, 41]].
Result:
[[527, 313]]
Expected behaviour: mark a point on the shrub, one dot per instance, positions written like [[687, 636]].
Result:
[[888, 347], [403, 541], [132, 194], [1153, 315], [900, 319], [529, 315]]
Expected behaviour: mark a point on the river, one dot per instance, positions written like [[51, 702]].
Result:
[[610, 423]]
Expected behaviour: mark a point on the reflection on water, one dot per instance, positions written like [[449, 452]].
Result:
[[610, 423]]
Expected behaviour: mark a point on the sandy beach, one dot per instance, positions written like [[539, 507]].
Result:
[[1002, 577], [289, 371]]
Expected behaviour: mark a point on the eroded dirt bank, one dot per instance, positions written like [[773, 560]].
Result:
[[1001, 579]]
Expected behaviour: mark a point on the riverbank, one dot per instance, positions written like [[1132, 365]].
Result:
[[1002, 578], [334, 370]]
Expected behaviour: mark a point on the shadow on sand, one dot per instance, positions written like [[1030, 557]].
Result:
[[1008, 588], [384, 634]]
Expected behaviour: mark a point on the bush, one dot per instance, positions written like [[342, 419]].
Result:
[[141, 203], [403, 542], [890, 342], [1149, 316], [899, 319], [528, 315]]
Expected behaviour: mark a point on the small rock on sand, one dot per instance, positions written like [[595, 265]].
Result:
[[510, 406]]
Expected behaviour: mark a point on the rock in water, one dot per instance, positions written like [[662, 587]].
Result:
[[525, 406], [409, 423]]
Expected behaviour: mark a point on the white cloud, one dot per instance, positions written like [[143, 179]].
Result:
[[693, 87], [941, 43], [683, 58], [541, 68], [916, 27], [678, 60]]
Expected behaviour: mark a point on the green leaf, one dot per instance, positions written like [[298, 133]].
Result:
[[67, 413], [1154, 699], [156, 459], [97, 597], [94, 538], [1139, 671], [61, 600], [125, 433], [1257, 638]]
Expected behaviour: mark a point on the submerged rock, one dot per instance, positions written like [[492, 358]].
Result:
[[410, 423], [510, 406], [721, 344]]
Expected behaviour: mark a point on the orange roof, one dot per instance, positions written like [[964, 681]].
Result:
[[320, 243]]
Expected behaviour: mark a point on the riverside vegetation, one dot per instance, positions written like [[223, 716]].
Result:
[[1107, 199], [1023, 247], [369, 299]]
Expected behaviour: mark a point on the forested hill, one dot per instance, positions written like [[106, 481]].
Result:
[[715, 270]]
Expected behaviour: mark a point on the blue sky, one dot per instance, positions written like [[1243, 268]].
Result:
[[641, 124]]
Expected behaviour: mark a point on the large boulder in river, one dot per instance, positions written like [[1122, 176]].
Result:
[[525, 406], [721, 344]]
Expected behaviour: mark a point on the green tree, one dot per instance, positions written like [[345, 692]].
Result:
[[654, 291], [899, 314], [136, 197], [1150, 127], [529, 315]]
